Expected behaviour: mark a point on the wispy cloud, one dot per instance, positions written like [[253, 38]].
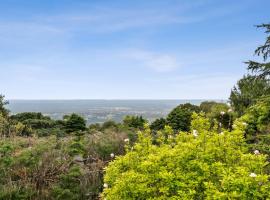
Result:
[[159, 62]]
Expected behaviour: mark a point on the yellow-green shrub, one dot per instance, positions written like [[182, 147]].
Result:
[[197, 165]]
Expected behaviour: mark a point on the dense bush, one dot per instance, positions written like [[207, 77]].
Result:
[[135, 122], [246, 91], [220, 113], [158, 124], [180, 117], [52, 167], [197, 165], [257, 120], [74, 123]]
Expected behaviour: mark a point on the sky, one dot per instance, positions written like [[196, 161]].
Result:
[[125, 49]]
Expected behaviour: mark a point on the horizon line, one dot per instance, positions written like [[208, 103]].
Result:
[[142, 99]]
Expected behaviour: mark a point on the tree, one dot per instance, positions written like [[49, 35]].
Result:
[[136, 122], [158, 124], [205, 165], [109, 124], [74, 123], [35, 121], [180, 117], [262, 70], [3, 103], [247, 90], [206, 106]]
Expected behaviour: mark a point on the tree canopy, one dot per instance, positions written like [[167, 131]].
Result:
[[262, 69], [180, 117]]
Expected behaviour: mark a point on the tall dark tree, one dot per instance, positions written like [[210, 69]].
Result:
[[180, 117], [262, 69], [158, 124], [74, 123]]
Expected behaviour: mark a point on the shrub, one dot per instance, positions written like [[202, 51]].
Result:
[[197, 165], [135, 122], [180, 117], [257, 120], [74, 123], [158, 124]]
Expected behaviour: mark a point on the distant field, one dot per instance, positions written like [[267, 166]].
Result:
[[97, 111]]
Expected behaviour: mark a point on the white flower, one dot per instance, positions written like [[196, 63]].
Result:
[[170, 136], [253, 175], [244, 123], [222, 113], [221, 133], [105, 185], [230, 110], [112, 155], [195, 133], [126, 140], [256, 152]]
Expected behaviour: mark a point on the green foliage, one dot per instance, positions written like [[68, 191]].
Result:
[[219, 114], [109, 125], [4, 126], [247, 90], [74, 123], [21, 117], [135, 122], [3, 111], [180, 117], [68, 187], [28, 123], [257, 120], [16, 193], [262, 70], [205, 165], [50, 131], [158, 124], [207, 106], [6, 150], [76, 148]]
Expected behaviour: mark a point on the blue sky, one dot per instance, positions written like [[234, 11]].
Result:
[[125, 49]]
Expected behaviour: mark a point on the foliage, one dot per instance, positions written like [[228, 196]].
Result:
[[68, 187], [247, 90], [109, 125], [262, 70], [207, 106], [222, 115], [180, 117], [257, 120], [158, 124], [53, 167], [74, 123], [4, 126], [189, 166], [21, 117], [3, 110], [136, 122]]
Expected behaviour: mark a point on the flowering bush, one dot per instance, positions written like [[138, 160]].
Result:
[[205, 165], [257, 125]]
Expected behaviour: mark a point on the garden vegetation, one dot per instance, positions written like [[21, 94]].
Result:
[[209, 151]]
